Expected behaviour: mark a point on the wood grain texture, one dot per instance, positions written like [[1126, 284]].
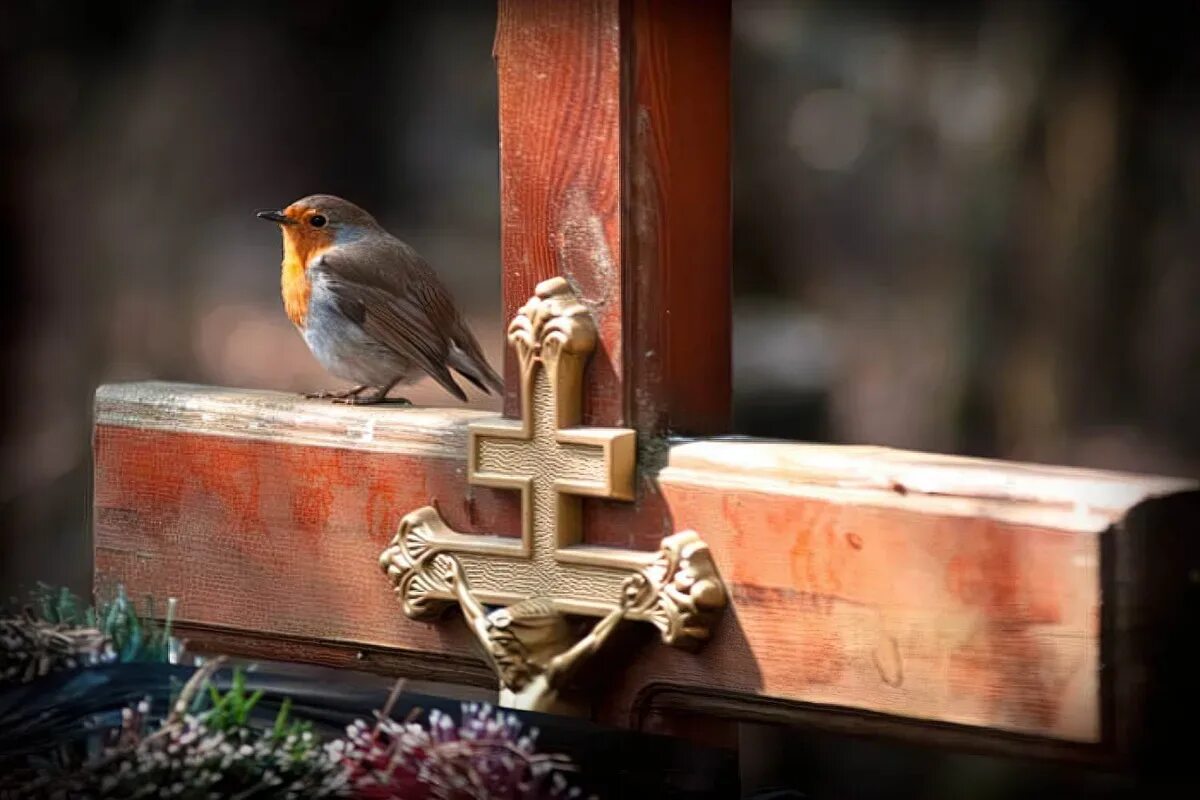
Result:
[[559, 68], [1062, 497], [919, 587], [614, 172], [677, 214], [908, 609], [283, 417], [255, 533], [451, 673], [910, 585]]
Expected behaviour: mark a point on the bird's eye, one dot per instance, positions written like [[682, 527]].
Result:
[[316, 221]]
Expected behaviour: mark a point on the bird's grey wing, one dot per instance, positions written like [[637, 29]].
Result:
[[398, 270], [394, 320], [465, 356]]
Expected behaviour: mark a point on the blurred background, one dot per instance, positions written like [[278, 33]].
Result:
[[967, 227]]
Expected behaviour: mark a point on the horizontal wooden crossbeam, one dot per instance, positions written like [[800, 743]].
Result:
[[1003, 600]]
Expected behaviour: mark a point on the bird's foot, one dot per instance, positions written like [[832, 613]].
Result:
[[378, 396], [337, 395], [368, 401]]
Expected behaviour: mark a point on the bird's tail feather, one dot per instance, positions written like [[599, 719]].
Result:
[[446, 381], [474, 367]]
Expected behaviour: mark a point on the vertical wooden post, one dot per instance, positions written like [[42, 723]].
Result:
[[614, 172]]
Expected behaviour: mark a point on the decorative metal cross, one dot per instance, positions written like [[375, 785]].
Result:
[[553, 462]]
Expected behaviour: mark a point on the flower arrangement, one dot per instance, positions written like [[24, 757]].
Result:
[[199, 755], [208, 745]]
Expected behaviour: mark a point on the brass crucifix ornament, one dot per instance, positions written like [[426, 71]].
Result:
[[535, 581]]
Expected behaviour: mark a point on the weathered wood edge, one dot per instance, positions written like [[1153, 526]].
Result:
[[434, 667], [282, 417], [1066, 498], [1070, 498]]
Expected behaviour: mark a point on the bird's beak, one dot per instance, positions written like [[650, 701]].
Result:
[[275, 216]]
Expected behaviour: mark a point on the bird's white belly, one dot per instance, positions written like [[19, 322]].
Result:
[[345, 349]]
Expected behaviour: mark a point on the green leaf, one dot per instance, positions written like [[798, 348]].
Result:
[[66, 609], [132, 646], [42, 595], [112, 619], [248, 706], [280, 728]]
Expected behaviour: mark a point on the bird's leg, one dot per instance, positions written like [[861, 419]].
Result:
[[379, 395], [337, 395]]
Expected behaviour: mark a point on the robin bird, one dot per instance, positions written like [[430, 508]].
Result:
[[368, 306]]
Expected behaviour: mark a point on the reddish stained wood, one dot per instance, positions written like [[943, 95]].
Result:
[[971, 597], [892, 609], [265, 536], [678, 216], [451, 673], [559, 68], [614, 165]]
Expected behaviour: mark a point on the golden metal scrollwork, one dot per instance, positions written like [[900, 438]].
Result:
[[680, 592], [535, 581]]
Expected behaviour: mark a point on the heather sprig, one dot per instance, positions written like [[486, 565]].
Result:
[[485, 756], [31, 648]]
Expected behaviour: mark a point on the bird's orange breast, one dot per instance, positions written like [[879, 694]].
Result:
[[299, 249]]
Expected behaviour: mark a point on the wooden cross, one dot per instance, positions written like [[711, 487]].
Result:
[[1014, 607]]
